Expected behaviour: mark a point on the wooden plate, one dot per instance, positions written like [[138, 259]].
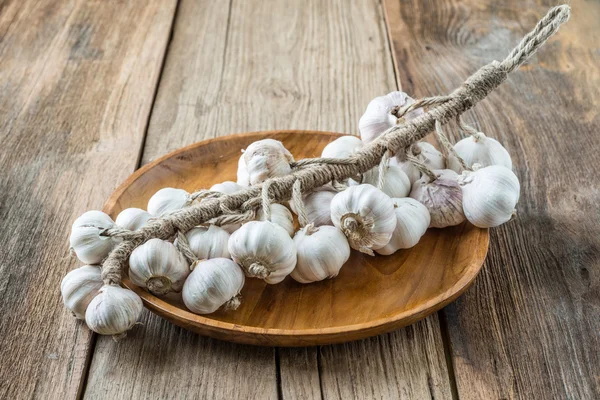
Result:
[[371, 295]]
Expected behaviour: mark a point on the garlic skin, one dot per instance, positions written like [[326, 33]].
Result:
[[379, 117], [490, 195], [412, 221], [208, 242], [366, 216], [132, 218], [442, 197], [479, 149], [265, 159], [113, 311], [264, 250], [85, 239], [280, 215], [167, 200], [321, 253], [342, 147], [317, 206], [158, 266], [79, 287], [228, 187], [396, 183], [243, 179], [212, 284]]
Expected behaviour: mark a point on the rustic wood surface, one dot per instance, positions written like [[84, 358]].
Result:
[[78, 81]]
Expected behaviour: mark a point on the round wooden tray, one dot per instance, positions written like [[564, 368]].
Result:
[[371, 295]]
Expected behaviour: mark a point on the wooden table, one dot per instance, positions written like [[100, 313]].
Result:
[[91, 90]]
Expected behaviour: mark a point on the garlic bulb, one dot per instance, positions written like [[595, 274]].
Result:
[[132, 218], [396, 184], [265, 159], [264, 250], [490, 195], [407, 167], [366, 216], [317, 206], [426, 153], [379, 115], [79, 287], [442, 197], [243, 179], [479, 149], [321, 253], [208, 242], [212, 284], [89, 246], [281, 216], [113, 311], [412, 221], [167, 200], [158, 266], [228, 187], [342, 147]]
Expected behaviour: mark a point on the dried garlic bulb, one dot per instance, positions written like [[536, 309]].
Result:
[[265, 159], [208, 242], [412, 221], [442, 197], [264, 250], [158, 266], [380, 115], [396, 184], [243, 178], [79, 287], [317, 206], [113, 311], [342, 147], [85, 239], [167, 200], [490, 195], [213, 284], [281, 216], [228, 187], [321, 253], [426, 153], [366, 216], [479, 149], [132, 218]]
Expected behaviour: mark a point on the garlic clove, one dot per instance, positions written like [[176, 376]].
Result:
[[208, 242], [113, 311], [379, 115], [264, 250], [79, 287], [132, 218], [490, 195], [243, 179], [366, 216], [85, 239], [213, 284], [342, 147], [442, 197], [281, 216], [167, 200], [321, 253], [265, 159], [412, 221], [396, 184], [228, 187], [159, 267], [479, 149]]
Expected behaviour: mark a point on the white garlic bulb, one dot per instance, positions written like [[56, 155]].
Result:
[[208, 242], [243, 179], [317, 206], [158, 266], [167, 200], [264, 250], [113, 311], [479, 149], [85, 239], [396, 184], [132, 218], [442, 197], [265, 159], [321, 253], [280, 215], [407, 167], [412, 221], [426, 153], [79, 287], [490, 195], [213, 284], [342, 147], [379, 115], [366, 216], [228, 187]]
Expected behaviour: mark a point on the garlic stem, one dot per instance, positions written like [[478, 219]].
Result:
[[159, 285], [257, 270]]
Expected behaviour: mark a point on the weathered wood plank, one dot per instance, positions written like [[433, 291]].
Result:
[[266, 65], [77, 81], [529, 326]]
